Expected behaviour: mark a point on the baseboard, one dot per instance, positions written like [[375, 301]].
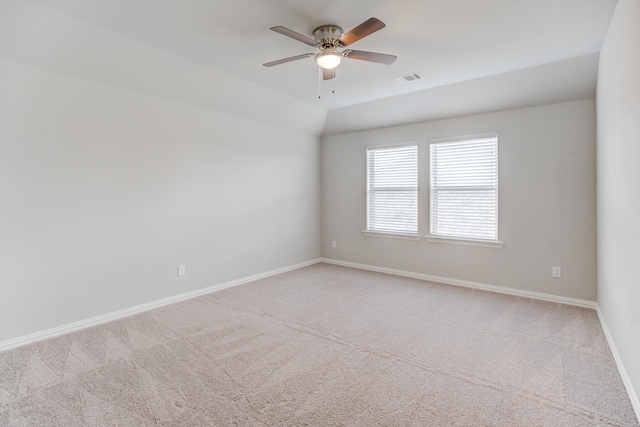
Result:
[[635, 402], [467, 284], [93, 321]]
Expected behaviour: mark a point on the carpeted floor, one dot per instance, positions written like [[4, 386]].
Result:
[[325, 346]]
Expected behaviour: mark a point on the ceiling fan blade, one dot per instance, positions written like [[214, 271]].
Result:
[[285, 60], [297, 36], [380, 58], [369, 26], [328, 74]]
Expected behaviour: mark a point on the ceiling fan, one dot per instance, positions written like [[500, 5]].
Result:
[[329, 38]]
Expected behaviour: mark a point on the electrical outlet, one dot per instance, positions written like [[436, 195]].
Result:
[[556, 272], [182, 270], [334, 244]]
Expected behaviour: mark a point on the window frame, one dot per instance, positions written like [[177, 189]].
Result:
[[389, 233], [457, 239]]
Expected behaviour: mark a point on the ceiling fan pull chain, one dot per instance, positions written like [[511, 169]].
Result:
[[319, 83]]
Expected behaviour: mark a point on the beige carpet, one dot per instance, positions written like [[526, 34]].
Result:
[[325, 346]]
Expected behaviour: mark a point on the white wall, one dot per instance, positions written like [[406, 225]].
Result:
[[36, 35], [567, 80], [104, 191], [546, 201], [618, 148]]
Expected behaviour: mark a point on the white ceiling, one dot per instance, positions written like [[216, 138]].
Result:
[[446, 41]]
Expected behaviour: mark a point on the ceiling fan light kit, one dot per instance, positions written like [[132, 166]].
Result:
[[329, 38], [328, 60]]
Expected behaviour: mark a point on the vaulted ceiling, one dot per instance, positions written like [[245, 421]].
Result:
[[472, 54]]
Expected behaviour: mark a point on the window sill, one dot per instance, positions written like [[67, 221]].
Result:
[[469, 242], [391, 235]]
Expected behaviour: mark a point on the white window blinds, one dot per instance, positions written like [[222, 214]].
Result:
[[464, 188], [392, 189]]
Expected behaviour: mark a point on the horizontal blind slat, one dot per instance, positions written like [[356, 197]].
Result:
[[464, 183], [392, 189]]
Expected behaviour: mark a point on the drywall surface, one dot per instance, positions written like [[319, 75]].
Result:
[[36, 35], [546, 201], [105, 191], [567, 80], [618, 148], [120, 161]]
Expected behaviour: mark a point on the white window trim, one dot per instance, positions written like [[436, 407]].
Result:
[[464, 137], [391, 234], [462, 240]]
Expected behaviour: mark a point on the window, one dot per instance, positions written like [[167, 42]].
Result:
[[392, 190], [464, 188]]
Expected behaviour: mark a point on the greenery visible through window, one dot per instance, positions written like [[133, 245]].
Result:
[[392, 189], [464, 188]]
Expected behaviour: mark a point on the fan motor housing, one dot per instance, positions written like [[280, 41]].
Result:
[[327, 34]]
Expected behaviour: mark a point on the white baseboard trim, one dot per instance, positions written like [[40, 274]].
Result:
[[635, 402], [94, 321], [467, 284]]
